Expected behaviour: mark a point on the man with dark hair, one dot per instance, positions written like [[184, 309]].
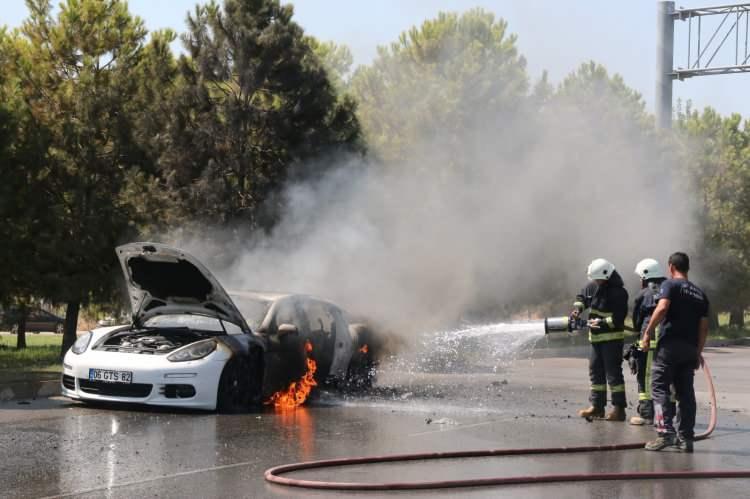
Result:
[[683, 313]]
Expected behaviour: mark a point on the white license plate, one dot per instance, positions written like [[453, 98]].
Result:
[[110, 376]]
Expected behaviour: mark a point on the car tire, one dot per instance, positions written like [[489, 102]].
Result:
[[239, 386], [60, 328]]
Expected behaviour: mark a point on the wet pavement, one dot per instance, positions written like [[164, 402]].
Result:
[[56, 448]]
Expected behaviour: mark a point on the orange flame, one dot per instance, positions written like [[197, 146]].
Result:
[[298, 391], [364, 349]]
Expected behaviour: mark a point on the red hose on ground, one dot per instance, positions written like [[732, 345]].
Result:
[[273, 474]]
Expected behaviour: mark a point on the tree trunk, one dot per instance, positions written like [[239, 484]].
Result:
[[713, 320], [737, 317], [21, 332], [71, 327]]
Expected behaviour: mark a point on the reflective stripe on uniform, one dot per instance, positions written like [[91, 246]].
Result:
[[617, 388], [598, 388], [598, 338], [610, 322], [655, 339], [647, 378], [644, 396], [601, 313]]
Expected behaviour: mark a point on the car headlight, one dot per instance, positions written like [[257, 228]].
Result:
[[193, 351], [82, 343]]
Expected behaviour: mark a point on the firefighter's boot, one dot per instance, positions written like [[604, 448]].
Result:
[[663, 441], [685, 444], [617, 414], [641, 421], [592, 413]]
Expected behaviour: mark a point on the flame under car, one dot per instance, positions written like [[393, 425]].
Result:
[[191, 344]]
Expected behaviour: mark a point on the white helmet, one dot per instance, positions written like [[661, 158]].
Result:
[[600, 269], [648, 268]]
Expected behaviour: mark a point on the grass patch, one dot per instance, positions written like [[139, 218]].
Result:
[[41, 352], [32, 340], [729, 333]]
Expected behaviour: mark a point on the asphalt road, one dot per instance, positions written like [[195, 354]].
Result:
[[56, 448]]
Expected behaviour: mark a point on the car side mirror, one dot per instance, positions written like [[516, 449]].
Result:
[[285, 329]]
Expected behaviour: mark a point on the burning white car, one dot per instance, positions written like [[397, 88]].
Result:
[[190, 345]]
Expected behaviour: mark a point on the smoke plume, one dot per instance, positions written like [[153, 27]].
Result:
[[424, 244]]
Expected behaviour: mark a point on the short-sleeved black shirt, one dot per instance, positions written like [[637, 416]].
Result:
[[688, 305]]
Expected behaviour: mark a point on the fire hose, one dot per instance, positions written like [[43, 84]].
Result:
[[273, 475]]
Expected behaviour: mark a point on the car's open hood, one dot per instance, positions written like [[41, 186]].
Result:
[[162, 280]]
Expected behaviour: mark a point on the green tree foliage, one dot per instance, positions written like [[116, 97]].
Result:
[[438, 80], [105, 136], [336, 59], [601, 120], [77, 72], [24, 185], [716, 153], [253, 108], [591, 86]]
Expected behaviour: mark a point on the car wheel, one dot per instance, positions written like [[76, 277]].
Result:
[[60, 328], [234, 393]]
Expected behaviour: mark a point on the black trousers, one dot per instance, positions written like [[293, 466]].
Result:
[[674, 363], [605, 368], [643, 376]]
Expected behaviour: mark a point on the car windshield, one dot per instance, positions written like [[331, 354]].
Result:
[[192, 321], [254, 310]]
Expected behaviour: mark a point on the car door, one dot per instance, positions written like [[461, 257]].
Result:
[[35, 320], [321, 334], [330, 338], [47, 321], [285, 353], [344, 346]]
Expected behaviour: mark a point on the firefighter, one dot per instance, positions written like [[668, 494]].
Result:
[[652, 275], [607, 301], [682, 312]]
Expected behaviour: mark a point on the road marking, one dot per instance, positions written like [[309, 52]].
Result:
[[154, 479]]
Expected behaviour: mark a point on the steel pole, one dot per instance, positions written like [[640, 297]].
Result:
[[664, 63]]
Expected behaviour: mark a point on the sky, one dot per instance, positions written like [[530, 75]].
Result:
[[553, 35]]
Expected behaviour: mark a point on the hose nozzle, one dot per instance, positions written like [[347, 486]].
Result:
[[563, 324]]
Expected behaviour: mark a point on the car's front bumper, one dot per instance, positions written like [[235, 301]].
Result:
[[155, 381]]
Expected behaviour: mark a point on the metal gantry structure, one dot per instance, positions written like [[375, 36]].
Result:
[[703, 45]]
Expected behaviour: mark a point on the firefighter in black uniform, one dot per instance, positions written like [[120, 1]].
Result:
[[607, 301], [652, 275], [682, 312]]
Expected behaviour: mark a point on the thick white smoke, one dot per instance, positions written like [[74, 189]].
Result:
[[421, 244]]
